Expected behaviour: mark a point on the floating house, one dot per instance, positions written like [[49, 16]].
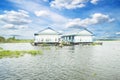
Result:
[[79, 35], [70, 35], [48, 35]]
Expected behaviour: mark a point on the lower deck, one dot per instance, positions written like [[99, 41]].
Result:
[[66, 44]]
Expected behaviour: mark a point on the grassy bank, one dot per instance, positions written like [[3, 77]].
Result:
[[9, 53], [18, 41]]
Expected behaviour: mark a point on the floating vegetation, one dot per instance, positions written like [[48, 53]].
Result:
[[97, 43], [47, 48], [9, 53], [94, 74]]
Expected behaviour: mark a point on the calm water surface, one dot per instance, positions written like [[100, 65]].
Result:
[[67, 63]]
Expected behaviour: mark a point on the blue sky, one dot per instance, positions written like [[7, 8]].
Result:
[[25, 17]]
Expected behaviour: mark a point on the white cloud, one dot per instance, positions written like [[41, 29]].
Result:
[[15, 17], [99, 17], [9, 26], [94, 19], [68, 4], [45, 0], [31, 5], [59, 4], [71, 4], [22, 33], [117, 33], [94, 1], [42, 13], [51, 16], [45, 16], [23, 27]]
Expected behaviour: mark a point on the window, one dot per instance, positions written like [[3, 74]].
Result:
[[41, 40], [80, 39], [55, 39]]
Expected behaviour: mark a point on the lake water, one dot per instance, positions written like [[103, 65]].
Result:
[[100, 62]]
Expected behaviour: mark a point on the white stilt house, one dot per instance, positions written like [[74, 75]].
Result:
[[71, 35], [47, 35], [77, 35]]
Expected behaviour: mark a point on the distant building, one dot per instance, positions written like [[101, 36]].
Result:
[[77, 35], [70, 35], [47, 35]]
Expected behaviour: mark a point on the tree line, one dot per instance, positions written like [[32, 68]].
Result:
[[14, 40], [3, 39]]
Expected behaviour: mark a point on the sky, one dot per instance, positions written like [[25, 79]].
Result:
[[23, 18]]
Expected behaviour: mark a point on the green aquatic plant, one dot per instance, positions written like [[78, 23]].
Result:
[[94, 74], [8, 53], [47, 48], [34, 52]]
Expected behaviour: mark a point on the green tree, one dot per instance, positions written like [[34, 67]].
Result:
[[11, 39], [2, 39]]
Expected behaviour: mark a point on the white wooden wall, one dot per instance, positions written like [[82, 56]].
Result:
[[47, 38], [83, 39]]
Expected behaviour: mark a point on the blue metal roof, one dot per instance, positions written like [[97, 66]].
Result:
[[75, 31], [68, 31], [48, 30]]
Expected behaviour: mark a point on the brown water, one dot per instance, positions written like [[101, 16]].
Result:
[[67, 63]]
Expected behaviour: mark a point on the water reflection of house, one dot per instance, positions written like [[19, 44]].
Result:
[[47, 35], [70, 35]]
